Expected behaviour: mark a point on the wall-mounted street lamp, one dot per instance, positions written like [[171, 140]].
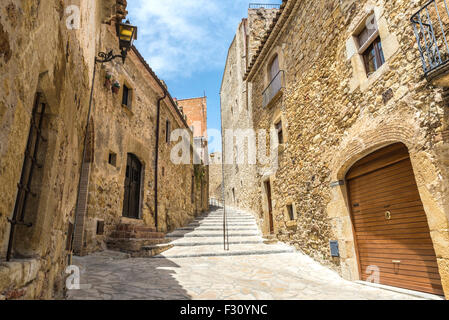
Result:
[[126, 34]]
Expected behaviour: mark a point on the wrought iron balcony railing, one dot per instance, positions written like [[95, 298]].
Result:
[[431, 24], [264, 6], [275, 86]]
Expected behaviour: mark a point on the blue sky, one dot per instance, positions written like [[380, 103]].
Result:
[[186, 43]]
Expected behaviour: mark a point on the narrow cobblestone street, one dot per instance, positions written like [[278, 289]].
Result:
[[198, 268]]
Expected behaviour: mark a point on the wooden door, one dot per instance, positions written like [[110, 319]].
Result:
[[131, 203], [391, 229], [270, 205]]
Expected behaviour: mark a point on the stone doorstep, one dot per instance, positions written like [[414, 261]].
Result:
[[136, 235], [132, 245], [134, 227], [17, 274], [150, 251]]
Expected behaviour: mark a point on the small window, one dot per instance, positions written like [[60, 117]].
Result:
[[274, 68], [279, 131], [374, 57], [290, 211], [167, 131], [100, 227], [371, 46], [127, 96], [112, 159]]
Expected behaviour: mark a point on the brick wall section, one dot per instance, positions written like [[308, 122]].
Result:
[[196, 111]]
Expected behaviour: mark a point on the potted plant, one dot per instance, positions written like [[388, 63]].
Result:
[[108, 80], [116, 87]]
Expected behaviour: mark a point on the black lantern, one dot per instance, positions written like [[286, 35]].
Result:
[[126, 34]]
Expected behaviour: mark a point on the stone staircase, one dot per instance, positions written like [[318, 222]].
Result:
[[204, 237], [138, 240]]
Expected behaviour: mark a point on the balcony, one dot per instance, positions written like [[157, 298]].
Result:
[[274, 89], [431, 25]]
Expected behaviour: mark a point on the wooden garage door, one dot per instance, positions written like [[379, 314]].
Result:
[[390, 224]]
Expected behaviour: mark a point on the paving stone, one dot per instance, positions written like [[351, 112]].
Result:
[[282, 276]]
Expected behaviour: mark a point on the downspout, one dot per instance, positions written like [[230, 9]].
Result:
[[156, 162]]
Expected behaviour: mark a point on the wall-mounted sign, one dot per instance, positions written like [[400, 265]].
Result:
[[335, 252]]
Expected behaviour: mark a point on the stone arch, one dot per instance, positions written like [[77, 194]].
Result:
[[427, 177]]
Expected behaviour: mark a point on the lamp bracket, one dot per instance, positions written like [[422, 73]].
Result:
[[104, 57]]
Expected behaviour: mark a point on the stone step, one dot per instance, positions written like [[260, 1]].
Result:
[[228, 220], [132, 245], [134, 227], [218, 251], [210, 235], [136, 235], [153, 250], [186, 241], [221, 225], [213, 243], [208, 228]]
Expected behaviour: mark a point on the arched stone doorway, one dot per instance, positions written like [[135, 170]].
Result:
[[392, 236]]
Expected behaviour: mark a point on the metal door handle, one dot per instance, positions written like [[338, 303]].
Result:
[[396, 261]]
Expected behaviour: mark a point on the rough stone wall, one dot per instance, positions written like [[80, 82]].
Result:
[[335, 116], [38, 53], [240, 177], [121, 130], [215, 176], [258, 22]]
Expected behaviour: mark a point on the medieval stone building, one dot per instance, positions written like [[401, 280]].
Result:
[[123, 176], [358, 171], [46, 62], [195, 111], [129, 187], [216, 178]]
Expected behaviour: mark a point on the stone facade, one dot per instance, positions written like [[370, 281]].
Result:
[[333, 115], [47, 52], [41, 53], [119, 130], [240, 185], [215, 176]]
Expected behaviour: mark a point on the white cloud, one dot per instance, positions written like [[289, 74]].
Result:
[[181, 37]]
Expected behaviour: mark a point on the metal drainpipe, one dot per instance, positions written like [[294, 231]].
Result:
[[156, 162]]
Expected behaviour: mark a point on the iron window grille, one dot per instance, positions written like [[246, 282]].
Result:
[[430, 26]]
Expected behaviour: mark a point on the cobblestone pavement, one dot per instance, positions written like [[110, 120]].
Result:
[[198, 268]]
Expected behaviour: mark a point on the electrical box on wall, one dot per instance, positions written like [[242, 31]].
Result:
[[335, 252]]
